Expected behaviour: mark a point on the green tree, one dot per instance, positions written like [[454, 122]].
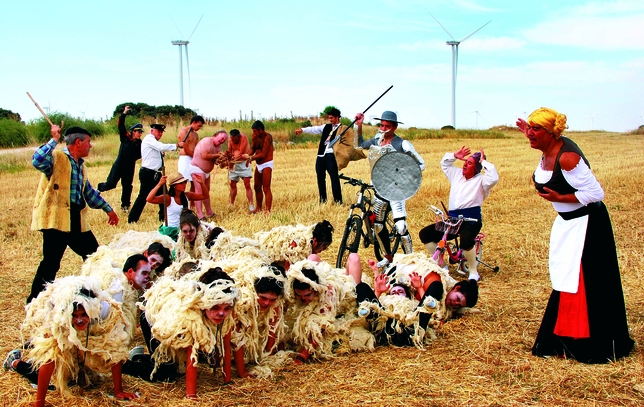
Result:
[[8, 114]]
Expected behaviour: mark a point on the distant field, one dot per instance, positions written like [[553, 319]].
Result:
[[482, 359]]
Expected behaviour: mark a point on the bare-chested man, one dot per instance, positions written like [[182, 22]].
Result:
[[189, 137], [240, 148], [262, 153]]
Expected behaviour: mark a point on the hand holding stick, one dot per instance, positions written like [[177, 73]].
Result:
[[335, 140], [43, 112]]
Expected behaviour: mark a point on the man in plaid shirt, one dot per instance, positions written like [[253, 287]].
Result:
[[62, 200]]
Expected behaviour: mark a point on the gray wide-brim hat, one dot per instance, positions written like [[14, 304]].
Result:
[[389, 116]]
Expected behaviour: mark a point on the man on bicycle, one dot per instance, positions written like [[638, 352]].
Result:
[[386, 138], [468, 188]]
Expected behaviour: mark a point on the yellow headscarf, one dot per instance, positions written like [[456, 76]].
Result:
[[551, 120]]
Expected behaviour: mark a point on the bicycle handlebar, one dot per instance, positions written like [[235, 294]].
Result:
[[447, 219], [354, 182]]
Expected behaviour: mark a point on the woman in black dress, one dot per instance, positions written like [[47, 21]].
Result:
[[585, 318]]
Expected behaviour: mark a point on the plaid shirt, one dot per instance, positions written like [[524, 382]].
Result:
[[43, 161]]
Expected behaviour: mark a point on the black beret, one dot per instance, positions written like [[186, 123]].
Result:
[[75, 130]]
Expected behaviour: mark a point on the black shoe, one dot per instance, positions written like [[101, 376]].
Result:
[[101, 187]]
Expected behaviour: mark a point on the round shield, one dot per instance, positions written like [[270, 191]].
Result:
[[396, 176]]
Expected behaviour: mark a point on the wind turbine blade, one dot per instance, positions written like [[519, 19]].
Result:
[[188, 66], [439, 23], [177, 27], [474, 32], [195, 29]]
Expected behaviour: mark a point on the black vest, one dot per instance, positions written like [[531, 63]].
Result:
[[558, 182], [326, 131]]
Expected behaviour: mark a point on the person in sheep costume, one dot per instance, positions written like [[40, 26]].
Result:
[[289, 244], [75, 325], [193, 236], [259, 313], [228, 245], [413, 291], [321, 314], [193, 314], [127, 244]]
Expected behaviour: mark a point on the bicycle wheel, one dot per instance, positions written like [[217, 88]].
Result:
[[394, 238], [350, 240]]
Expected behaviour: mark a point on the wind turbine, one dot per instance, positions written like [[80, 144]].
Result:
[[83, 111], [476, 117], [185, 44], [454, 44], [592, 121]]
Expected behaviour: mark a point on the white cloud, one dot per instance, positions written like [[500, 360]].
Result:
[[603, 7], [605, 33]]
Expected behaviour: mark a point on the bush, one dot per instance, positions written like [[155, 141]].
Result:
[[326, 111], [39, 129], [142, 110], [13, 133]]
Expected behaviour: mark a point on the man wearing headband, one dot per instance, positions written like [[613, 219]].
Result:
[[469, 187], [123, 167]]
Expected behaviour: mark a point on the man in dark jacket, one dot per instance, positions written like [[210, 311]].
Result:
[[325, 161], [123, 167]]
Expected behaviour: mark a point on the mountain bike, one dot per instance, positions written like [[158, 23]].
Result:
[[450, 225], [359, 225]]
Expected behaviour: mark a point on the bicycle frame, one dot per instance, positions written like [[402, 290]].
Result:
[[454, 251], [357, 225], [360, 226]]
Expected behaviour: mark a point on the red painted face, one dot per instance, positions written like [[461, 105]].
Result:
[[80, 319], [218, 313], [266, 300], [455, 299], [388, 128], [305, 295]]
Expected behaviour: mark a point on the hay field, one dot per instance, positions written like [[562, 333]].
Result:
[[482, 359]]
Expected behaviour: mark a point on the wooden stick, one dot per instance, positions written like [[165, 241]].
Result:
[[338, 137], [165, 205], [41, 111]]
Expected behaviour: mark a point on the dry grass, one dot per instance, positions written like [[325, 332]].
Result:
[[481, 360]]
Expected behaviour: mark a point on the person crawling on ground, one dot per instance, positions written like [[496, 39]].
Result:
[[59, 325], [407, 297], [321, 314], [289, 244], [190, 315], [192, 239]]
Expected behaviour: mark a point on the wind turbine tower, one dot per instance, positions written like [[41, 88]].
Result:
[[184, 43], [454, 44], [181, 43]]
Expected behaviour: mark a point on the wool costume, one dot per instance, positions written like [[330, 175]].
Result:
[[48, 327]]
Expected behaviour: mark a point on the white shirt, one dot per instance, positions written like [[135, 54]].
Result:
[[468, 193], [151, 150]]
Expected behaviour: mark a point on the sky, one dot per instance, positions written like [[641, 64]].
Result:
[[287, 57]]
